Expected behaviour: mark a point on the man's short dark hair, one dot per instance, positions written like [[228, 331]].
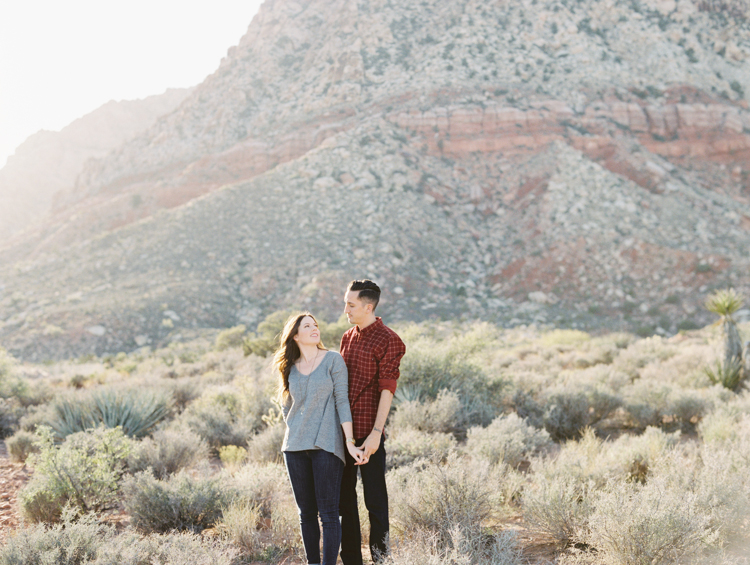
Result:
[[368, 291]]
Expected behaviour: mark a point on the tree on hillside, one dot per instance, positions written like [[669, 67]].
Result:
[[730, 372]]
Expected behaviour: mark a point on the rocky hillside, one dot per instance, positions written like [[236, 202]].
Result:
[[577, 163], [49, 162]]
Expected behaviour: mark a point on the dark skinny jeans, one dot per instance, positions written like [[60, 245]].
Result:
[[315, 475]]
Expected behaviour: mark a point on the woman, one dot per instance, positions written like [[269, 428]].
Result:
[[315, 402]]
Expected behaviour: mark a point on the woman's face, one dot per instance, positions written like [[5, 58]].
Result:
[[308, 333]]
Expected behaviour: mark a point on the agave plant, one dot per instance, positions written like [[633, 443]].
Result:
[[135, 411], [725, 303], [727, 375]]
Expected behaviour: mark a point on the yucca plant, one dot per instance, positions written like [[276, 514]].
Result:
[[728, 375], [135, 411], [725, 303]]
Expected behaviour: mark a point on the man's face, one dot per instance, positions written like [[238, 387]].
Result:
[[355, 309]]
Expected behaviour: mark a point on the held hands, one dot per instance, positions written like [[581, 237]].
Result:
[[371, 445], [357, 454]]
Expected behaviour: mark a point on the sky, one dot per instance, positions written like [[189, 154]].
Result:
[[60, 60]]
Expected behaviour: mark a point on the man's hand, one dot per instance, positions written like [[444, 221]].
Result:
[[371, 444]]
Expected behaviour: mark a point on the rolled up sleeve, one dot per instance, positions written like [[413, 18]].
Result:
[[389, 364]]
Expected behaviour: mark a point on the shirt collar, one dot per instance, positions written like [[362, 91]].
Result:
[[377, 323]]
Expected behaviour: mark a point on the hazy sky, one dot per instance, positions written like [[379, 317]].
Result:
[[60, 59]]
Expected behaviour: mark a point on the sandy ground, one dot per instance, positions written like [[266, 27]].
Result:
[[12, 477]]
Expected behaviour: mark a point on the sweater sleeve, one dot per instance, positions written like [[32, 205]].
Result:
[[340, 378]]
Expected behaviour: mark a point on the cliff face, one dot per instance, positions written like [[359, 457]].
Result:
[[553, 162], [49, 162]]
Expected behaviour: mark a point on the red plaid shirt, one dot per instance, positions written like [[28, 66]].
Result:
[[372, 356]]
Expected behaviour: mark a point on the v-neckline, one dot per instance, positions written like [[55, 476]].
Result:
[[314, 368]]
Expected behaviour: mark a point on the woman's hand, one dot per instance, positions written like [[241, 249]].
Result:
[[356, 453]]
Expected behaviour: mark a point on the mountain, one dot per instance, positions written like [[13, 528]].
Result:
[[49, 162], [583, 164]]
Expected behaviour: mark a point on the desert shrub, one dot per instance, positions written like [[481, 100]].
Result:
[[646, 403], [240, 524], [687, 407], [441, 415], [266, 488], [408, 445], [180, 502], [35, 416], [508, 439], [230, 338], [566, 414], [10, 414], [221, 417], [232, 457], [261, 485], [72, 542], [425, 548], [131, 548], [440, 498], [265, 340], [564, 338], [135, 411], [183, 390], [265, 447], [425, 371], [21, 444], [642, 352], [86, 541], [644, 524], [634, 457], [557, 506], [167, 452], [83, 471]]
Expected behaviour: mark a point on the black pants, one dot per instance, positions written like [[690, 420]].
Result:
[[376, 501]]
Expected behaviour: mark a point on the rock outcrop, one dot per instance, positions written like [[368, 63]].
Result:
[[49, 162], [581, 164]]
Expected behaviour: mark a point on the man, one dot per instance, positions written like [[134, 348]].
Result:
[[372, 353]]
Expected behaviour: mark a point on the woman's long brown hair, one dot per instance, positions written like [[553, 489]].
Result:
[[288, 352]]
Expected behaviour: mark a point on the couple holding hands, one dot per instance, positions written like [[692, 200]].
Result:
[[335, 407]]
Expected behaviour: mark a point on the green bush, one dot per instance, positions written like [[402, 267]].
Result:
[[21, 444], [408, 445], [167, 452], [265, 340], [566, 415], [221, 417], [441, 415], [557, 506], [72, 542], [439, 499], [427, 371], [230, 338], [240, 524], [136, 411], [85, 541], [183, 548], [508, 439], [652, 523], [178, 503], [425, 548], [265, 447], [261, 485], [10, 414], [84, 471]]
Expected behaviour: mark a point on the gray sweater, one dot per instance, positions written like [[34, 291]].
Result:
[[317, 405]]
